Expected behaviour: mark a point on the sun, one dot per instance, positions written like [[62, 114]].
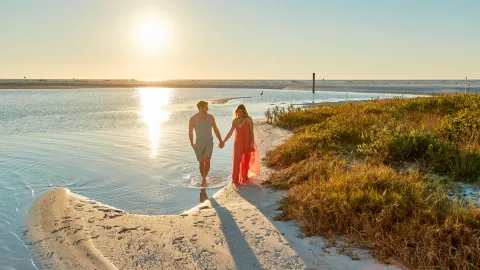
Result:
[[152, 34]]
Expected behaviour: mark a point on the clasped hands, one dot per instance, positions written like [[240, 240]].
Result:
[[222, 144]]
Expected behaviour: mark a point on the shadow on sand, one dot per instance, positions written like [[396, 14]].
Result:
[[235, 239]]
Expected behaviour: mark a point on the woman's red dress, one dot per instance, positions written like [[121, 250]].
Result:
[[245, 158]]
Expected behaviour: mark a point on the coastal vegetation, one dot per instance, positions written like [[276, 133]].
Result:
[[380, 173]]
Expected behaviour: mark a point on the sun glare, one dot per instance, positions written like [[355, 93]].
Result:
[[152, 34], [153, 113]]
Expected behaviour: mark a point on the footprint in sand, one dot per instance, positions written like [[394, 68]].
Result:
[[198, 224], [78, 241], [193, 239], [206, 252], [127, 229], [178, 240]]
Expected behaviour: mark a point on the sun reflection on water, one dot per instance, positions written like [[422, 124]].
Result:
[[153, 112]]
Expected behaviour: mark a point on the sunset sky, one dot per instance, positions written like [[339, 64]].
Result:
[[254, 39]]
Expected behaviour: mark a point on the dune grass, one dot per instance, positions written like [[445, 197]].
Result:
[[363, 170]]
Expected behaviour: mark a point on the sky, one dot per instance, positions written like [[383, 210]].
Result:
[[248, 39]]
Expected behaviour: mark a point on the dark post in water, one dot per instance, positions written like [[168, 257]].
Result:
[[313, 87], [466, 85]]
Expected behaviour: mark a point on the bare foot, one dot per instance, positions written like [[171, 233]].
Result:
[[204, 182]]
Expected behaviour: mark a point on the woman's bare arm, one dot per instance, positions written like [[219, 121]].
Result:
[[250, 122], [230, 132]]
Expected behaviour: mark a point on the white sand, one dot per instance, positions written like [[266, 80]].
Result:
[[233, 230]]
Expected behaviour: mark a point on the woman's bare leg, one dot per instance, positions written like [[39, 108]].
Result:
[[236, 169]]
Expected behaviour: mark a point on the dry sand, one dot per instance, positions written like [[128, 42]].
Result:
[[235, 229]]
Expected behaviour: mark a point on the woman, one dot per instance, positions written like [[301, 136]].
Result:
[[245, 153]]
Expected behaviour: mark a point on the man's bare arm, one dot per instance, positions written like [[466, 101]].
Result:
[[190, 131], [215, 129]]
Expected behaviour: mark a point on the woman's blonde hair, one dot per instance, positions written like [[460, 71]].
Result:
[[240, 107]]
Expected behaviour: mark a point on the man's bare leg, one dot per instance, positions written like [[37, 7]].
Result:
[[206, 170], [201, 165]]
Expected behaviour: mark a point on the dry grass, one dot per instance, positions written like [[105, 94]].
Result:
[[403, 216], [400, 215]]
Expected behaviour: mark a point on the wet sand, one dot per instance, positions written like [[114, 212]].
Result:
[[225, 100]]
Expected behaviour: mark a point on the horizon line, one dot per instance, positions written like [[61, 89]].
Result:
[[167, 80]]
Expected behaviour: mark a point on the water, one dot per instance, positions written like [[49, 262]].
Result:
[[127, 148]]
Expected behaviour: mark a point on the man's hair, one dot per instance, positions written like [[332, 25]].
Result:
[[201, 104]]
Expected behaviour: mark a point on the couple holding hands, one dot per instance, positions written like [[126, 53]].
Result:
[[245, 153]]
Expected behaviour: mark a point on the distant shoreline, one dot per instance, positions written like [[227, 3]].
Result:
[[379, 86]]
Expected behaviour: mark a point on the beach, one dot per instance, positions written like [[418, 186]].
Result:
[[367, 125], [234, 229], [124, 147]]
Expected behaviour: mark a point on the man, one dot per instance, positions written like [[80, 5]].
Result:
[[203, 123]]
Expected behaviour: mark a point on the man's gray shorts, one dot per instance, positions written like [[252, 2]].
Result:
[[203, 149]]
